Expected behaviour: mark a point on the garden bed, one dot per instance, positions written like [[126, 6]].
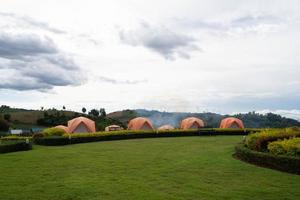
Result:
[[289, 164]]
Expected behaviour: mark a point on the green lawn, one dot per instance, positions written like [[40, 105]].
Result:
[[158, 168]]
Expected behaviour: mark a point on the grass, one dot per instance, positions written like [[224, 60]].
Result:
[[157, 168]]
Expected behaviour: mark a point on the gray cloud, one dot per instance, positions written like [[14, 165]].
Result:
[[164, 41], [242, 22], [32, 22], [19, 46], [31, 62], [255, 20], [116, 81]]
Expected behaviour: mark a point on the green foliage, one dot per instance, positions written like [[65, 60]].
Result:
[[94, 113], [102, 112], [53, 118], [53, 132], [4, 126], [290, 147], [279, 162], [12, 146], [259, 141]]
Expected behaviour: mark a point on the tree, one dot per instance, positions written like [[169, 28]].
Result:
[[64, 107], [4, 126], [42, 107], [83, 110], [94, 113], [7, 117], [102, 112]]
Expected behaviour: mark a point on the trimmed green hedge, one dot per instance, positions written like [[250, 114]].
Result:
[[12, 146], [283, 163], [259, 141], [120, 135]]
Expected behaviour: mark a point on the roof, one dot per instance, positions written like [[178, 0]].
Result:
[[113, 126], [63, 127], [74, 123], [166, 127], [229, 121], [187, 123], [138, 123]]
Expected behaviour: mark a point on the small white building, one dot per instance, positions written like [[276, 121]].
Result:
[[16, 131]]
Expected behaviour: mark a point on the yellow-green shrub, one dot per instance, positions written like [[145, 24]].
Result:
[[15, 138], [259, 141], [53, 132], [290, 147]]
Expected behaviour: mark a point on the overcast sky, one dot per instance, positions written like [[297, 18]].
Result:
[[172, 55]]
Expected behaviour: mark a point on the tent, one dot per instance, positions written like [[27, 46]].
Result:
[[191, 123], [166, 127], [113, 128], [231, 122], [81, 125], [140, 123], [62, 127]]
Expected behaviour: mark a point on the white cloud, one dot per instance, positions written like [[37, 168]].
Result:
[[243, 55], [161, 40]]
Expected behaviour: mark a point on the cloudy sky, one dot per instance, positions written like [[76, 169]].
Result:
[[173, 55]]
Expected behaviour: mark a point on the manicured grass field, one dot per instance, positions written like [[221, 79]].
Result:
[[158, 168]]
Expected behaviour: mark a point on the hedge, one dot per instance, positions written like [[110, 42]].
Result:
[[120, 135], [279, 162], [259, 141], [15, 138], [289, 147], [12, 146]]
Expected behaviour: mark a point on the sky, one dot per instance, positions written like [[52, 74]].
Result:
[[186, 56]]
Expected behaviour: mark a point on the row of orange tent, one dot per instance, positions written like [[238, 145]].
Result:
[[141, 123], [85, 125]]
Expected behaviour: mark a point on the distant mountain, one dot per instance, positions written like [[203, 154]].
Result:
[[251, 119]]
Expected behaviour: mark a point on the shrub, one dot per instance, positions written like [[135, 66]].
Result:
[[12, 146], [259, 141], [290, 147], [53, 132], [280, 162], [51, 140]]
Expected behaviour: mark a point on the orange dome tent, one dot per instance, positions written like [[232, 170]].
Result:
[[81, 125], [113, 128], [62, 127], [191, 123], [140, 123], [166, 127], [231, 122]]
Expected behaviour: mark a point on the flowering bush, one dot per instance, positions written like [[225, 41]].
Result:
[[290, 147]]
